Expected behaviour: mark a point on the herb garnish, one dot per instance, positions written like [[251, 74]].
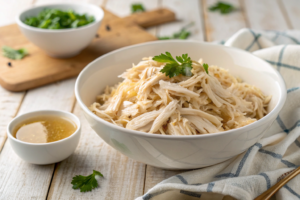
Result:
[[174, 68], [223, 7], [86, 183], [58, 19], [205, 66], [182, 34], [15, 54], [138, 7]]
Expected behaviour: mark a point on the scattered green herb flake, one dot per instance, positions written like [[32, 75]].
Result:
[[182, 34], [137, 7], [14, 54], [205, 66], [86, 183], [58, 19], [223, 7], [174, 68]]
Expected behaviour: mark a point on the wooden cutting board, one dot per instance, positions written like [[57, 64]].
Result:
[[38, 69]]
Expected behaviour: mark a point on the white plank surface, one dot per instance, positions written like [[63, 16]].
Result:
[[186, 12], [21, 180], [42, 2], [155, 175], [292, 12], [9, 104], [220, 27], [123, 8], [124, 178], [9, 9], [264, 15]]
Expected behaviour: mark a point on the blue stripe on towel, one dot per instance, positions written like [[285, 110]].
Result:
[[294, 126], [239, 169], [210, 186], [225, 175], [182, 179], [267, 179], [149, 196], [280, 57], [291, 191], [292, 89], [255, 38], [241, 164], [285, 35], [192, 194], [278, 156], [281, 124], [283, 65]]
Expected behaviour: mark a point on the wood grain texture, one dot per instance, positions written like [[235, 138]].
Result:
[[264, 15], [186, 13], [9, 10], [9, 104], [153, 18], [39, 69], [43, 2], [155, 175], [220, 27], [123, 8], [291, 10], [21, 180], [123, 177]]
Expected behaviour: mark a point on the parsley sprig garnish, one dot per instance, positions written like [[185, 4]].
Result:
[[205, 66], [86, 183], [138, 7], [14, 54], [174, 68], [223, 7], [182, 66]]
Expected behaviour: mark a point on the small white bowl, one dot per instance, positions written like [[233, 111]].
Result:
[[180, 152], [44, 153], [62, 43]]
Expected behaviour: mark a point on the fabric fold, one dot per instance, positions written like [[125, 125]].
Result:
[[251, 173]]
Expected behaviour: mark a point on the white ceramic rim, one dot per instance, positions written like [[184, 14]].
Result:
[[23, 25], [37, 113], [278, 106]]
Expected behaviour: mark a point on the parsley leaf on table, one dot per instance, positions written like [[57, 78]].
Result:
[[182, 34], [183, 65], [223, 7], [138, 7], [86, 183], [15, 54]]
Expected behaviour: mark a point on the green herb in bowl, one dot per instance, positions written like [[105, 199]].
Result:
[[58, 19]]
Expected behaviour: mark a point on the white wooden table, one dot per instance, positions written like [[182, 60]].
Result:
[[124, 178]]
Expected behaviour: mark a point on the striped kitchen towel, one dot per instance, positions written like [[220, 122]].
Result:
[[253, 172]]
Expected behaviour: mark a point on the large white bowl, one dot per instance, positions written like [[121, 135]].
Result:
[[180, 152], [62, 43]]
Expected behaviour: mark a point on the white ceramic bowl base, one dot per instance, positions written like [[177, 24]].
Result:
[[44, 153], [62, 43], [180, 152]]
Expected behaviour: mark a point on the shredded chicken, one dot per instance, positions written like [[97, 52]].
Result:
[[149, 101]]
